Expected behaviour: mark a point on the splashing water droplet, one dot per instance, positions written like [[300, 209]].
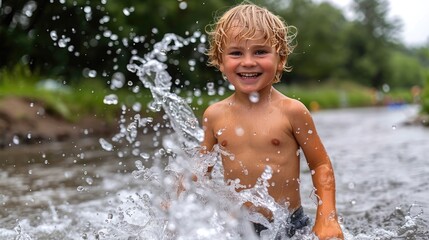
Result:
[[54, 35], [254, 97], [239, 131], [137, 107], [110, 99], [105, 144], [183, 5], [15, 140], [118, 80], [89, 180], [220, 131]]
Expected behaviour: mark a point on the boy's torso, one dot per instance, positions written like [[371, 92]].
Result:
[[255, 138]]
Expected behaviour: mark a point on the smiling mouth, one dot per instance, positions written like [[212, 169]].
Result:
[[249, 75]]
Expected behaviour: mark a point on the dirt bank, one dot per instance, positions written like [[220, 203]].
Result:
[[23, 121]]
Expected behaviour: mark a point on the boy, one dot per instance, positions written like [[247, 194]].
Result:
[[259, 125]]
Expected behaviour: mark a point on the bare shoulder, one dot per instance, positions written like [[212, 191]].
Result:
[[216, 109], [294, 110], [291, 106]]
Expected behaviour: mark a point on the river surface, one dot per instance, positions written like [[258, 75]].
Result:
[[69, 190]]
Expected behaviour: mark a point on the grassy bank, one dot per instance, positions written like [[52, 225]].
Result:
[[70, 101], [73, 101], [336, 94]]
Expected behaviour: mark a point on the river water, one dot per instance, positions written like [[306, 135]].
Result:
[[73, 190]]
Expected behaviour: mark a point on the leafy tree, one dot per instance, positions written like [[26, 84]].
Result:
[[405, 70], [71, 38], [320, 52], [370, 42]]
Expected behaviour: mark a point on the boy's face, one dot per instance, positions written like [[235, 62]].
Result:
[[249, 64]]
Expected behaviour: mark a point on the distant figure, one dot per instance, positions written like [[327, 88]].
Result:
[[260, 126]]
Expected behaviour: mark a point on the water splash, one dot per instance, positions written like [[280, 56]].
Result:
[[208, 208]]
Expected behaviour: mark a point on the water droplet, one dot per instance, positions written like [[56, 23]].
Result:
[[89, 180], [15, 140], [239, 131], [254, 97], [110, 99], [386, 88], [80, 188], [183, 5], [105, 144], [310, 131], [126, 11], [92, 73], [145, 156], [137, 107], [53, 35], [393, 127], [118, 80], [220, 131]]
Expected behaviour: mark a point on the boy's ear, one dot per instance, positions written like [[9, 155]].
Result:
[[221, 67], [281, 65]]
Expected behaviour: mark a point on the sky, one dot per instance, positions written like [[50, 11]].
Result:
[[413, 14]]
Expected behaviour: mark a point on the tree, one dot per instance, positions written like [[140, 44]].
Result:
[[319, 53], [71, 39], [370, 41]]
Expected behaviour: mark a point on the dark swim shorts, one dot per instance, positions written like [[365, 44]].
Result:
[[295, 221]]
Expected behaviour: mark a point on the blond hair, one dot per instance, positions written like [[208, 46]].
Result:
[[252, 19]]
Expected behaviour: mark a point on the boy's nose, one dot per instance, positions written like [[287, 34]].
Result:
[[248, 61]]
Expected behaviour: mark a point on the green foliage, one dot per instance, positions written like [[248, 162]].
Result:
[[329, 94], [319, 52], [370, 41], [69, 102], [405, 70]]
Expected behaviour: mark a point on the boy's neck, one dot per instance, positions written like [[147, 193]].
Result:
[[255, 98]]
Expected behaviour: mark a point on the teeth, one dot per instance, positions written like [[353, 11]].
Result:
[[249, 74]]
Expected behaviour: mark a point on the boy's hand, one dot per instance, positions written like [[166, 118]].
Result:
[[328, 229]]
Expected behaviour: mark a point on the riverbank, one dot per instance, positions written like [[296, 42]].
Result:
[[26, 121], [45, 111]]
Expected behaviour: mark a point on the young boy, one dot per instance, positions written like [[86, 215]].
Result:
[[259, 125]]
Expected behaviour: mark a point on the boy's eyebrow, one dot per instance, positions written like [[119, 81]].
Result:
[[252, 46]]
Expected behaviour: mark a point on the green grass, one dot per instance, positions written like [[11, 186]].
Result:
[[70, 101], [336, 94]]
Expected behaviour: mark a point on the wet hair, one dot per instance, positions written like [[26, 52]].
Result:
[[251, 19]]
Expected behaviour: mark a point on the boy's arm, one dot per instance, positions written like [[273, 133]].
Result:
[[326, 223], [209, 139]]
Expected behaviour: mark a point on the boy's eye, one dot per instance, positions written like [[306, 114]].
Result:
[[261, 52], [235, 53]]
